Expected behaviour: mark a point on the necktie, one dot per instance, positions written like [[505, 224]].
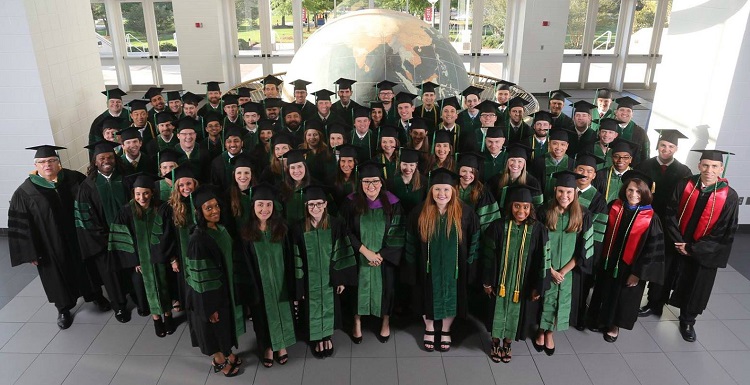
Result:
[[664, 168], [135, 164]]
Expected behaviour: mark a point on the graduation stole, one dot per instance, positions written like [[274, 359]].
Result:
[[709, 216], [535, 146], [435, 115], [633, 233], [519, 270]]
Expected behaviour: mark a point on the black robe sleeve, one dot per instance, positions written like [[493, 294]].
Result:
[[91, 225], [203, 249], [24, 236], [649, 264]]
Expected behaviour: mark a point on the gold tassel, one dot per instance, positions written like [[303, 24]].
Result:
[[502, 290], [515, 296]]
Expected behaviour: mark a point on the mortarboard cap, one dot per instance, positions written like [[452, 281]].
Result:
[[102, 146], [443, 176], [129, 133], [191, 97], [300, 85], [46, 151], [559, 134], [183, 171], [626, 102], [386, 85], [428, 87], [323, 94], [558, 95], [230, 99], [582, 106], [142, 180], [282, 138], [187, 123], [169, 155], [517, 102], [443, 136], [566, 178], [242, 160], [417, 124], [405, 97], [609, 124], [504, 85], [137, 104], [202, 195], [521, 193], [264, 192], [603, 93], [270, 79], [622, 145], [252, 107], [344, 84], [292, 107], [110, 123], [362, 112], [370, 169], [469, 159], [233, 129], [348, 151], [635, 174], [670, 135], [408, 155], [273, 103], [450, 101], [244, 92], [715, 155], [336, 128], [213, 86], [152, 91], [588, 159], [114, 93], [388, 132], [542, 116], [472, 90], [213, 116], [488, 106], [164, 117], [173, 95], [376, 104], [295, 156], [314, 192], [495, 132], [518, 150], [266, 125]]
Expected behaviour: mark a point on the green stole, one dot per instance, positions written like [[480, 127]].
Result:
[[320, 293], [112, 193], [510, 277], [362, 143], [442, 266], [627, 132], [612, 185], [246, 208], [276, 300], [147, 231], [494, 165], [599, 220], [295, 206], [390, 165], [370, 289], [165, 190], [486, 213], [557, 300], [407, 196], [163, 145], [224, 241], [250, 140], [607, 156]]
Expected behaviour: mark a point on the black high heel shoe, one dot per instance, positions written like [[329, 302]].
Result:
[[159, 328], [169, 325]]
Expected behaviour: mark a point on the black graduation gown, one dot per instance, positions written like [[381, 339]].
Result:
[[146, 165], [492, 257], [95, 132], [577, 143], [467, 123], [213, 149], [342, 271], [613, 302], [153, 147], [499, 193], [697, 271], [415, 267], [431, 117], [221, 171], [309, 110], [208, 292], [637, 135], [515, 135], [563, 121], [261, 159], [346, 114], [664, 182], [41, 228], [199, 160], [366, 147]]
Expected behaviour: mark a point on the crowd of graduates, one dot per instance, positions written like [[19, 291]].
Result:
[[307, 216]]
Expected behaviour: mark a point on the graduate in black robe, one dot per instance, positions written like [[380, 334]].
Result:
[[269, 256], [373, 218], [515, 173], [99, 199], [328, 264], [438, 265], [114, 111], [513, 258], [409, 185], [633, 254], [221, 166], [216, 320], [41, 231], [702, 222], [665, 171]]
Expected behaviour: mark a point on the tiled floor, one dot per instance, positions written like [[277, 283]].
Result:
[[98, 350]]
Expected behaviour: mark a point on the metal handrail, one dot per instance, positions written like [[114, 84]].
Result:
[[608, 34], [130, 46]]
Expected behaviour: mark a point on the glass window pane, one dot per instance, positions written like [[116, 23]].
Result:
[[460, 27], [666, 25], [165, 28], [250, 71], [643, 27], [570, 73], [314, 18], [635, 73], [110, 75], [576, 26], [141, 74], [170, 74], [248, 27], [493, 30], [606, 26], [282, 36], [135, 30], [600, 72], [101, 26]]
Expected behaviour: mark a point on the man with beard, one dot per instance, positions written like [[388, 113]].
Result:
[[213, 93], [701, 221], [153, 95], [293, 123], [134, 160], [556, 104], [345, 106], [174, 103], [583, 135], [166, 139], [306, 108], [516, 130], [213, 143], [231, 111], [99, 199], [538, 142], [631, 131], [364, 139], [384, 92], [666, 172], [41, 231], [114, 111], [221, 166], [429, 111], [272, 109], [418, 136], [139, 116]]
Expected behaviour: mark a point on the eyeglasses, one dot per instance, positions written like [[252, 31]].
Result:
[[621, 157], [489, 115], [369, 183], [319, 205], [48, 161]]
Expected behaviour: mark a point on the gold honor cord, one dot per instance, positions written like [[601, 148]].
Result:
[[516, 292]]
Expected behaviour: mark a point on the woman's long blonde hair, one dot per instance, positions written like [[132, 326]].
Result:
[[179, 209], [428, 217], [576, 215], [505, 178]]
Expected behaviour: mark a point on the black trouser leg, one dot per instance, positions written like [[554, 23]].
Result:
[[658, 294], [687, 318], [111, 280]]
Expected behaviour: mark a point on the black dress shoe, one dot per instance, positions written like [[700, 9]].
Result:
[[610, 338], [102, 304], [122, 316], [688, 332], [580, 328], [169, 325], [143, 312], [64, 320]]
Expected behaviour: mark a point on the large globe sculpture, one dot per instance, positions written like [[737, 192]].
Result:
[[373, 45]]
